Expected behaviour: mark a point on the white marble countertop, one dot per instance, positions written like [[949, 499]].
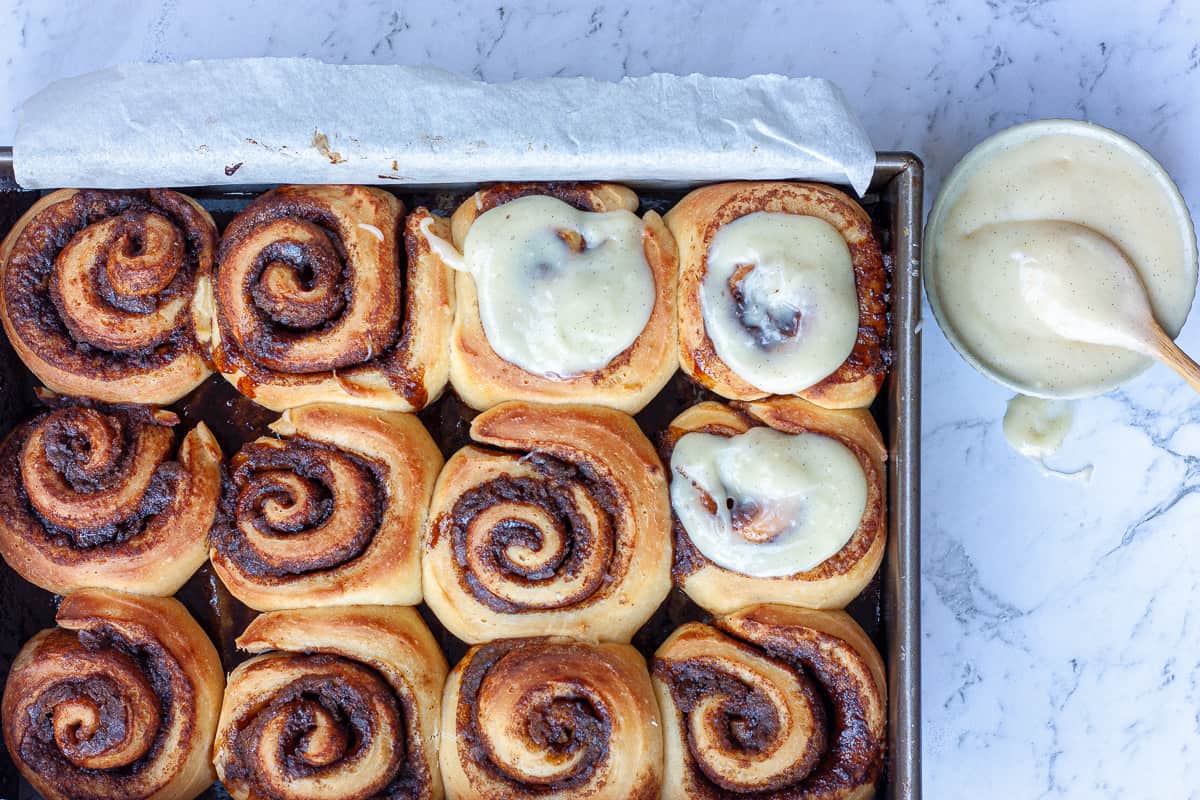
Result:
[[1061, 652]]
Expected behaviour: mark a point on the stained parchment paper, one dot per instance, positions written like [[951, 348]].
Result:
[[268, 120]]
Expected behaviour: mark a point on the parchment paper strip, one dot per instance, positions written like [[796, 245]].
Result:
[[301, 121]]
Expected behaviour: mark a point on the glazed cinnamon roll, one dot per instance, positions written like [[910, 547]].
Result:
[[776, 501], [551, 718], [120, 701], [556, 522], [313, 304], [341, 703], [331, 512], [564, 295], [782, 290], [97, 293], [774, 703], [101, 495]]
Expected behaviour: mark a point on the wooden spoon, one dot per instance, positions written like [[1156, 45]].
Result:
[[1083, 287], [1169, 353]]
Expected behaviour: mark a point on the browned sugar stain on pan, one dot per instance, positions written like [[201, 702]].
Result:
[[235, 420]]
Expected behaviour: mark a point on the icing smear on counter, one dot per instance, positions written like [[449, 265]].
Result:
[[1036, 428]]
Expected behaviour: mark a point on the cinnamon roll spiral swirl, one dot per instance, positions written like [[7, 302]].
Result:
[[782, 291], [312, 303], [120, 701], [342, 703], [331, 513], [562, 530], [776, 501], [563, 295], [772, 702], [97, 495], [98, 291], [551, 718]]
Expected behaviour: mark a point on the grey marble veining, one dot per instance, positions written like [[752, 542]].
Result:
[[1061, 648]]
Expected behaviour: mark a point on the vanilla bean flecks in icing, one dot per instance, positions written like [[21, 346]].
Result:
[[779, 300], [562, 292], [766, 503]]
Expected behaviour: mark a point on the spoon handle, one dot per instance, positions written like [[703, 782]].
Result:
[[1169, 353]]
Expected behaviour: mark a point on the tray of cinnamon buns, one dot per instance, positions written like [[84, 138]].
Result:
[[545, 490]]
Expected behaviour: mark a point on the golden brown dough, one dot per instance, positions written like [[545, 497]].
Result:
[[774, 703], [97, 495], [342, 703], [328, 511], [838, 579], [482, 378], [551, 718], [120, 701], [697, 218], [313, 304], [97, 293], [564, 530]]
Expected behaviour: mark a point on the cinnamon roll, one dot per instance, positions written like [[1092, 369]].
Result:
[[312, 303], [101, 495], [556, 522], [551, 718], [782, 290], [564, 296], [776, 501], [341, 703], [329, 513], [119, 701], [97, 293], [773, 702]]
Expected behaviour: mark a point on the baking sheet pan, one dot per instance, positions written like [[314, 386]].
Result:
[[889, 609]]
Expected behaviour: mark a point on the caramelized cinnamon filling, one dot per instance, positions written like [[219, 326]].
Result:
[[768, 326], [758, 522], [339, 721], [573, 194], [86, 475], [290, 294], [297, 508], [296, 283], [738, 717], [103, 721], [515, 535], [747, 722], [89, 449], [98, 284], [565, 721], [139, 263]]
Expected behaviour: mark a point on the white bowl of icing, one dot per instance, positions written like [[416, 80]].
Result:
[[1052, 171]]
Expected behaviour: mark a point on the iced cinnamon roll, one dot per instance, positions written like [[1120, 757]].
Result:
[[330, 510], [103, 495], [313, 303], [564, 295], [119, 701], [340, 703], [782, 291], [556, 522], [772, 703], [551, 718], [776, 501], [97, 288]]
